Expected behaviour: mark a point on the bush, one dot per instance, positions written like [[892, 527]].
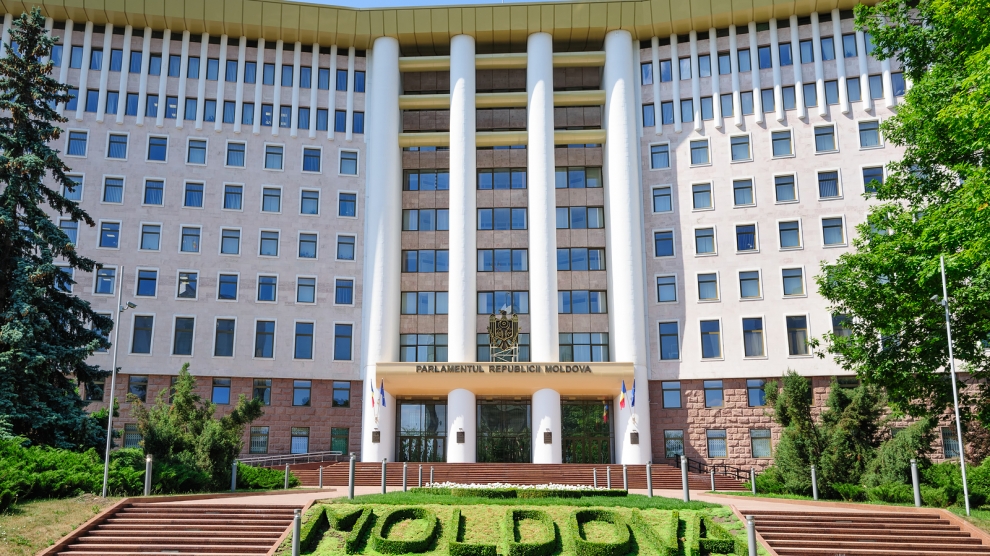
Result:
[[769, 482], [352, 542], [850, 492], [662, 540], [540, 547], [584, 547], [494, 493], [891, 493], [692, 534], [381, 543], [455, 536], [550, 493], [936, 497], [892, 463], [263, 478], [717, 540], [316, 524], [435, 491]]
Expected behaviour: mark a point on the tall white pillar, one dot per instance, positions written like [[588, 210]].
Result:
[[625, 245], [544, 338], [816, 51], [840, 61], [734, 64], [125, 66], [546, 418], [463, 279], [754, 64], [382, 242], [778, 98], [163, 77], [675, 81], [716, 75], [798, 74], [462, 416], [83, 69], [101, 103]]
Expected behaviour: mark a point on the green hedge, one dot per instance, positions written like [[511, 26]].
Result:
[[662, 542], [385, 545], [584, 547], [435, 491], [315, 526], [352, 542], [455, 536], [692, 534], [263, 478], [496, 493], [540, 547], [527, 493], [343, 521], [717, 540], [549, 493]]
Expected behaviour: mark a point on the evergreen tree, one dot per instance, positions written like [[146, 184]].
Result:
[[46, 333]]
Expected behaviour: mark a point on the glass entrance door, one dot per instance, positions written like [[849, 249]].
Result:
[[422, 432], [504, 431], [586, 435]]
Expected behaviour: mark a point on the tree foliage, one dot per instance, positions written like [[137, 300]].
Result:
[[46, 333], [933, 202]]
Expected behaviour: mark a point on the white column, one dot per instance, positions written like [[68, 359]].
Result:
[[888, 85], [8, 22], [816, 49], [314, 82], [382, 243], [294, 117], [101, 103], [840, 61], [332, 100], [163, 78], [204, 62], [349, 117], [778, 94], [864, 72], [544, 339], [180, 109], [63, 70], [675, 81], [736, 89], [277, 96], [695, 80], [462, 415], [657, 112], [798, 75], [546, 418], [462, 282], [125, 68], [754, 64], [625, 245], [239, 88], [49, 25], [84, 70], [258, 78], [716, 76], [221, 85]]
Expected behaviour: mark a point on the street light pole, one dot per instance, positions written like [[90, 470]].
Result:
[[113, 380], [955, 393]]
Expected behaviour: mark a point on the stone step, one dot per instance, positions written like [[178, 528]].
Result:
[[159, 548], [885, 515], [864, 536], [216, 538], [214, 514], [251, 533], [141, 552], [864, 551], [834, 545], [185, 521], [893, 530], [192, 528], [169, 505]]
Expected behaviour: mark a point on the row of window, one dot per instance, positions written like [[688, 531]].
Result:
[[717, 443], [220, 393], [747, 238], [569, 302], [258, 444], [565, 177], [574, 347], [750, 288], [754, 342], [430, 220], [273, 157]]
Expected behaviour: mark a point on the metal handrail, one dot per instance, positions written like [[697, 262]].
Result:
[[696, 466], [311, 457]]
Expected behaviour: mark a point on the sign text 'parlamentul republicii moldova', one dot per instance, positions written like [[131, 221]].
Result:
[[507, 368]]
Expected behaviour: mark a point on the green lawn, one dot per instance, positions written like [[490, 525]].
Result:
[[979, 518], [32, 526]]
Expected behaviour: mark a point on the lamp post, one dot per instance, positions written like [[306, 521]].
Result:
[[113, 377], [955, 392]]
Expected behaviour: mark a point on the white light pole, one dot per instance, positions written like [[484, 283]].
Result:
[[955, 393], [113, 376]]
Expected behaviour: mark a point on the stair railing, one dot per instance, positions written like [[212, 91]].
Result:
[[279, 460], [724, 469]]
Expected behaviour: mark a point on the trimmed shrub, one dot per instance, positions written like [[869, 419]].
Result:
[[584, 547], [659, 540], [550, 493], [313, 528], [352, 542], [769, 482], [263, 478], [717, 540], [436, 491], [343, 521], [415, 545], [893, 493], [540, 547], [613, 493], [455, 536], [850, 492], [692, 534], [935, 497], [494, 493]]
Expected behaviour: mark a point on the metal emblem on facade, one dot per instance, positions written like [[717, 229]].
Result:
[[503, 337]]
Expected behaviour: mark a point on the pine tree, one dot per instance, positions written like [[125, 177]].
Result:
[[46, 333]]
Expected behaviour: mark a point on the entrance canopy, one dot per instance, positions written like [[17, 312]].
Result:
[[505, 379]]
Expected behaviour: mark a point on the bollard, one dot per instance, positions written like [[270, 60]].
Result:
[[384, 464], [649, 480], [350, 479], [914, 482], [321, 477], [431, 475], [594, 476], [751, 535], [147, 475], [296, 531], [712, 472], [233, 477], [625, 478], [608, 477], [420, 475], [814, 482], [405, 467], [287, 476], [752, 478], [684, 479]]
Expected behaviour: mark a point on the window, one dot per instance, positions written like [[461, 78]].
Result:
[[740, 147], [73, 102], [765, 57], [132, 436], [233, 196], [193, 195], [797, 335], [760, 441], [196, 152], [581, 302], [345, 250], [342, 342], [790, 234], [259, 436], [713, 392], [659, 156], [704, 241], [701, 195], [67, 273], [341, 394], [154, 64], [580, 258], [305, 78], [767, 101], [832, 92], [151, 108], [171, 107], [825, 139], [227, 287], [784, 188], [273, 157], [488, 219], [358, 122], [427, 180], [284, 115], [423, 260], [300, 437], [344, 292], [264, 339], [665, 71], [897, 81], [687, 110], [138, 386], [853, 90], [756, 394], [247, 114], [131, 104], [501, 178], [117, 146], [669, 348], [210, 110], [810, 95], [224, 343], [303, 348], [113, 190], [746, 100], [187, 285], [707, 110], [869, 134], [950, 443], [307, 246], [685, 68], [753, 337], [56, 59], [667, 113], [339, 437], [786, 56], [189, 240], [229, 111], [339, 121], [262, 391], [744, 60], [649, 116], [250, 72], [580, 218], [77, 143], [96, 59], [646, 73], [71, 230], [661, 199], [182, 344], [673, 443], [230, 242], [157, 148], [110, 235], [322, 119], [301, 389], [286, 80], [875, 84], [711, 348], [584, 347], [105, 279], [309, 202], [235, 154], [749, 284], [75, 57], [871, 178], [708, 287], [306, 290], [311, 160], [271, 199], [348, 163], [94, 392], [742, 192], [724, 63], [502, 260], [429, 347], [788, 97], [781, 143], [143, 329], [832, 231], [746, 237], [267, 288], [190, 111], [429, 220], [663, 244], [699, 152], [841, 326], [828, 185], [147, 283], [192, 67], [704, 66], [793, 281], [151, 237]]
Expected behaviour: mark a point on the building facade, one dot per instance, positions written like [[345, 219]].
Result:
[[324, 207]]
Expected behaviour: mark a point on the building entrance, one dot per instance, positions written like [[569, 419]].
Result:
[[422, 431], [504, 431], [586, 435]]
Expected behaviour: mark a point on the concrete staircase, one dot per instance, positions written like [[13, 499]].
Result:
[[370, 474], [189, 529], [866, 534]]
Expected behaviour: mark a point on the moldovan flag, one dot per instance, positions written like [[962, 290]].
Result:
[[605, 413], [372, 386], [622, 396], [632, 397], [383, 393]]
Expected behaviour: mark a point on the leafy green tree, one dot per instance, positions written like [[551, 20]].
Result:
[[183, 435], [46, 333], [933, 202]]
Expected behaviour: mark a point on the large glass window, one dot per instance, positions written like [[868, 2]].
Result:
[[742, 192], [659, 156], [503, 260], [490, 303], [746, 237], [301, 389], [711, 343], [781, 143], [113, 190], [704, 241], [263, 390], [580, 258], [708, 286], [227, 287], [797, 335], [342, 344], [717, 445], [666, 289], [713, 393], [828, 185], [784, 188], [577, 177], [584, 347], [825, 139], [832, 231], [790, 234], [749, 284], [663, 243], [669, 344], [753, 337], [701, 196], [422, 347], [673, 443], [431, 220], [224, 339], [869, 134], [143, 329], [740, 147], [793, 281], [661, 199], [581, 302], [671, 394], [264, 339], [756, 393], [760, 439]]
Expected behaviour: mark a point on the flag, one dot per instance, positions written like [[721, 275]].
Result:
[[632, 397], [605, 413], [383, 393], [622, 396], [372, 386]]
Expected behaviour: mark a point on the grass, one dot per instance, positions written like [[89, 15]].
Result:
[[632, 501], [32, 526], [979, 518]]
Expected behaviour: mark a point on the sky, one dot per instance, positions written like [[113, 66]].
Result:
[[407, 3]]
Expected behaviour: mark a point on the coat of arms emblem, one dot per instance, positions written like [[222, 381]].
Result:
[[503, 337]]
